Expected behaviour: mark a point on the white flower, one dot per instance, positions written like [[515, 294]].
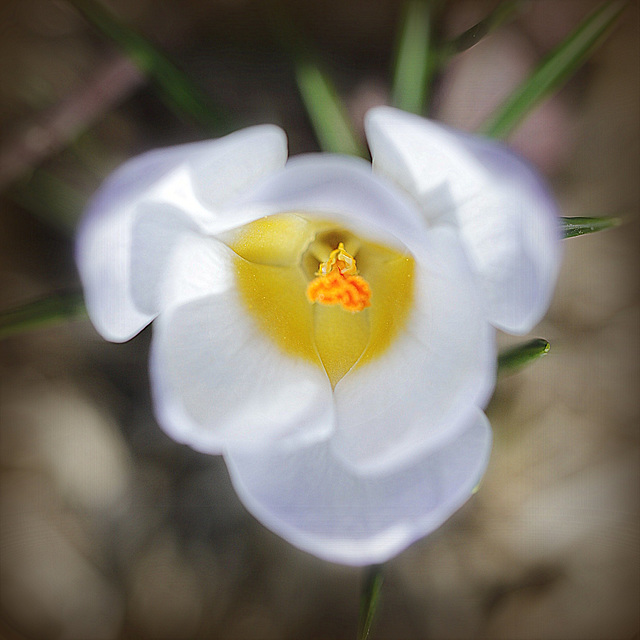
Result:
[[343, 384]]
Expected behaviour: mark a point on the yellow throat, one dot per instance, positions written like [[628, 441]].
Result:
[[320, 292]]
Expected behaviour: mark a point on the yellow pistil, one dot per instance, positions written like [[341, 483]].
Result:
[[338, 283]]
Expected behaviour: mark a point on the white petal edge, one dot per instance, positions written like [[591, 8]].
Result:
[[507, 217], [423, 389], [341, 188], [311, 500], [216, 379], [189, 178]]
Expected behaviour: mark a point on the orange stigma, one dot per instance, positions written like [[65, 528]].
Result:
[[338, 282]]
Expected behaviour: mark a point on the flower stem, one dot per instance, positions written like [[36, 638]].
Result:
[[369, 599]]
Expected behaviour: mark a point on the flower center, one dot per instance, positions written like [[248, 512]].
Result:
[[320, 292], [338, 282]]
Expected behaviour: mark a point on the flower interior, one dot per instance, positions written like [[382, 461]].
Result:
[[337, 282], [321, 292]]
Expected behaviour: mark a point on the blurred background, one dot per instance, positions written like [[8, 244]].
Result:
[[109, 530]]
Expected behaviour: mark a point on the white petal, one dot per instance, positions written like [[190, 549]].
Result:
[[217, 380], [309, 498], [342, 188], [156, 230], [507, 218], [199, 266], [423, 390], [190, 178], [237, 162]]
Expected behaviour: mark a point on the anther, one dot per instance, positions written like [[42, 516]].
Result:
[[338, 283]]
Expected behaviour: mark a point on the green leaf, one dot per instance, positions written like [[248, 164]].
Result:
[[371, 590], [54, 309], [50, 199], [554, 70], [327, 113], [578, 226], [414, 58], [176, 88], [521, 355], [504, 12]]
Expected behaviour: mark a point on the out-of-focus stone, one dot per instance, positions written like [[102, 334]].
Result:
[[166, 599], [64, 434], [597, 280], [49, 587]]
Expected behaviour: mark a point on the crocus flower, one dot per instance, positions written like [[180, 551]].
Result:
[[327, 328]]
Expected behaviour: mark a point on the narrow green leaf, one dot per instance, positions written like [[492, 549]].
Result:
[[517, 357], [370, 598], [414, 58], [504, 12], [50, 199], [176, 88], [325, 109], [327, 113], [54, 309], [578, 226], [553, 70]]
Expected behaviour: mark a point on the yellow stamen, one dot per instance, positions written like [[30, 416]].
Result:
[[338, 283]]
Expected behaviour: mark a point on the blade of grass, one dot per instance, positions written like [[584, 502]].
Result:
[[553, 70], [369, 600], [178, 90], [414, 58], [51, 310], [514, 358], [502, 14], [327, 113], [50, 199], [578, 226]]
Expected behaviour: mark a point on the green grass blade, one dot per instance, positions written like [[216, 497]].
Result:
[[515, 358], [371, 590], [54, 309], [502, 14], [178, 91], [49, 199], [553, 70], [327, 113], [578, 226], [414, 58]]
